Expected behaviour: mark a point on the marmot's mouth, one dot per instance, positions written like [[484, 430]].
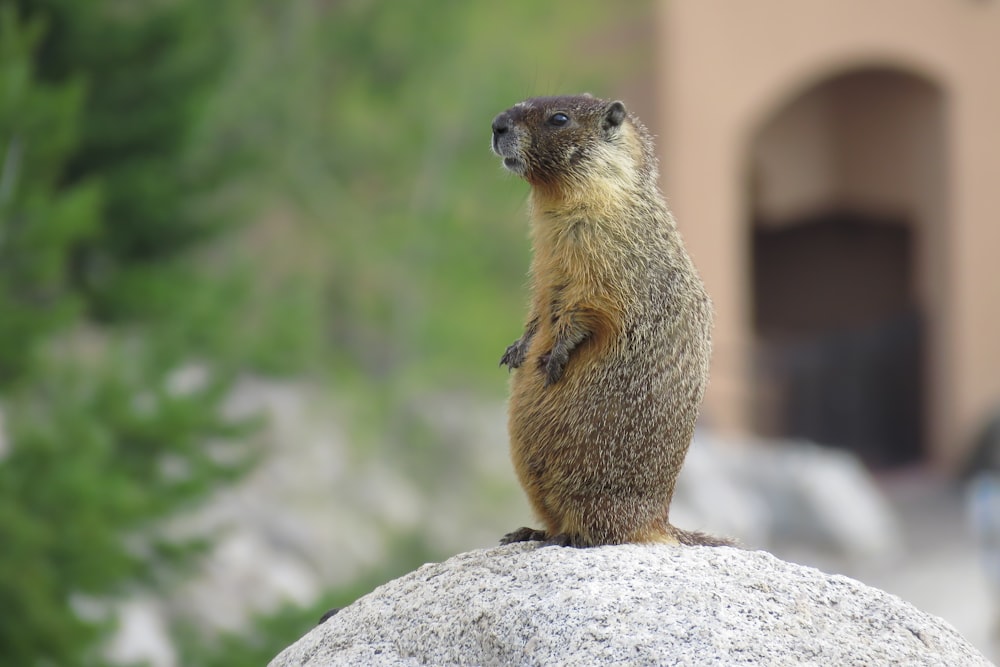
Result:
[[513, 164]]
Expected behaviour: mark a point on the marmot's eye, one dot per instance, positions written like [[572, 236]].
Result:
[[558, 119]]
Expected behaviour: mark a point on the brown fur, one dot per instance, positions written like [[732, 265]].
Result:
[[609, 375]]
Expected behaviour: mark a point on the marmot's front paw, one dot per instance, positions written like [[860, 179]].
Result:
[[553, 365], [513, 357]]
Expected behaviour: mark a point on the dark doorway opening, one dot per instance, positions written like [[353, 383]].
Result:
[[839, 338], [846, 224]]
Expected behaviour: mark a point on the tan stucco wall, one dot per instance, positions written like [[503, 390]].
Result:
[[727, 66]]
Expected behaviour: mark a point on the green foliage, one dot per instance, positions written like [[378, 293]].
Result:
[[431, 242], [375, 122], [39, 226], [93, 466], [100, 440], [40, 223], [146, 67]]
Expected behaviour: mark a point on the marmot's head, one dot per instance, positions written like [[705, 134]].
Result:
[[571, 141]]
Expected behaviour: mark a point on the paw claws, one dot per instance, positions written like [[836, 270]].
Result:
[[566, 540], [552, 367], [524, 534], [513, 356]]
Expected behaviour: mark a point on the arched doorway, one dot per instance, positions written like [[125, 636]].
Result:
[[847, 196]]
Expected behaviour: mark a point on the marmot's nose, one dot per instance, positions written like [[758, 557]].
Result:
[[501, 124]]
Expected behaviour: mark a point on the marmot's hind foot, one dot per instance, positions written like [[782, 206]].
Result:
[[524, 534], [567, 540], [694, 538]]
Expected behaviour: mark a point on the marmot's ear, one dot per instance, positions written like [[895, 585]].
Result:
[[615, 115]]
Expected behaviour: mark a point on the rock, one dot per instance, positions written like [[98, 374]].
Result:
[[772, 493], [717, 491], [630, 604], [826, 496], [982, 507]]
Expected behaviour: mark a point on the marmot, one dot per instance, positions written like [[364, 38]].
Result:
[[611, 369]]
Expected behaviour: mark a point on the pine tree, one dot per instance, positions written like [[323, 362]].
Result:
[[40, 221], [98, 442], [147, 68]]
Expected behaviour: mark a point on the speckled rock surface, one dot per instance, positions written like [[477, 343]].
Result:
[[630, 604]]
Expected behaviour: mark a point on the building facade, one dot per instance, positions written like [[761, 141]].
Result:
[[835, 168]]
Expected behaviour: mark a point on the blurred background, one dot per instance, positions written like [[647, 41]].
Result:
[[258, 266]]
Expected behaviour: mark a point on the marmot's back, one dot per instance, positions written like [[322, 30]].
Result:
[[612, 367]]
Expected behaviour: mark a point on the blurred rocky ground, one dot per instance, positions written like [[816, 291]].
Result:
[[907, 532], [319, 511]]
